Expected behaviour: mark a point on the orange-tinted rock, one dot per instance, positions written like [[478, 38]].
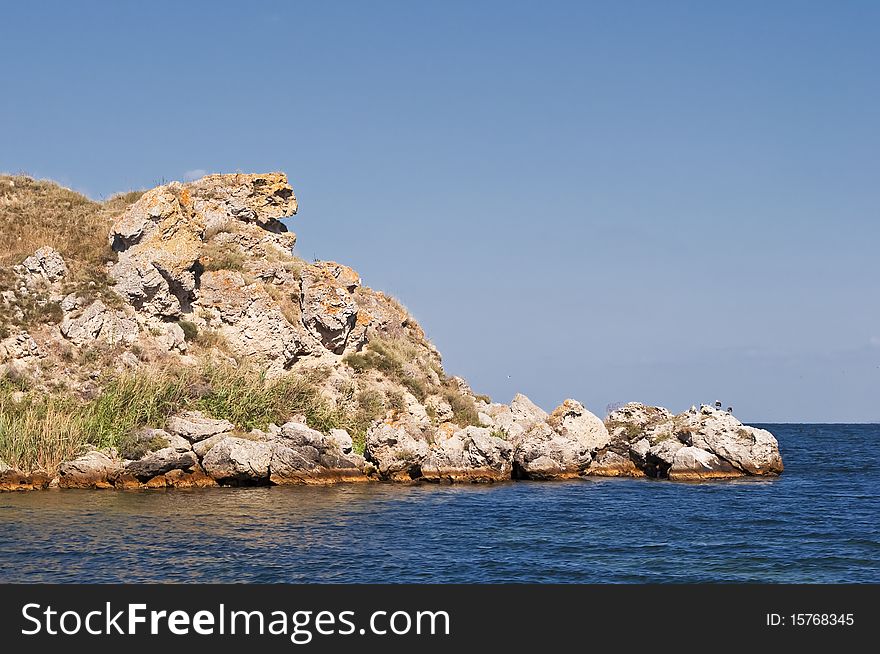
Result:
[[611, 464]]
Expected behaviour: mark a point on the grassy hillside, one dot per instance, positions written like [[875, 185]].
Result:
[[36, 213]]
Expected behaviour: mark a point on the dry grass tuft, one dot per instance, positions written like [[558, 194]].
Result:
[[36, 213]]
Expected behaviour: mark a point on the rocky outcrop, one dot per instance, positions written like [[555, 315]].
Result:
[[472, 454], [295, 454], [397, 450], [571, 420], [250, 321], [204, 274], [45, 266], [301, 455], [177, 455], [238, 461], [19, 346], [159, 239], [544, 454], [753, 451], [329, 310], [100, 322], [15, 480], [695, 445]]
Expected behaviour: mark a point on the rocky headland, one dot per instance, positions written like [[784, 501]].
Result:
[[171, 339]]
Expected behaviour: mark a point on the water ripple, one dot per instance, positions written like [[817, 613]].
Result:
[[820, 522]]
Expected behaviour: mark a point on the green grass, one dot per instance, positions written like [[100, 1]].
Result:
[[39, 431], [630, 430], [464, 411], [401, 362], [395, 359]]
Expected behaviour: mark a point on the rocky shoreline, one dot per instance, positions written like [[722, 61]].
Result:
[[197, 451], [201, 276]]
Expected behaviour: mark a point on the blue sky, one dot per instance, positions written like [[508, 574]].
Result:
[[668, 202]]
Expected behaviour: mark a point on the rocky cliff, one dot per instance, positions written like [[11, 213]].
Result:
[[175, 340]]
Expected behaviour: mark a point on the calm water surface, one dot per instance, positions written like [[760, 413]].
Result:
[[820, 522]]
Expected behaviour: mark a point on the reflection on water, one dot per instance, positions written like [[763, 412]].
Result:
[[811, 525]]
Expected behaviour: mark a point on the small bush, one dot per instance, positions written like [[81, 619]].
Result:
[[37, 431], [464, 411], [396, 359], [209, 338], [220, 256], [190, 330], [50, 312], [629, 429], [499, 433], [394, 400], [134, 446], [287, 300]]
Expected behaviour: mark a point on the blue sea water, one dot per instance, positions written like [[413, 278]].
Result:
[[819, 522]]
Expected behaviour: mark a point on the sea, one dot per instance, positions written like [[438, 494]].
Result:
[[817, 523]]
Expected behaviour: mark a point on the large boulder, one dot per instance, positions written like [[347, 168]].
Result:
[[751, 450], [541, 453], [517, 418], [98, 321], [658, 458], [160, 462], [472, 454], [329, 310], [94, 469], [239, 461], [196, 426], [397, 450], [302, 455], [694, 464], [312, 465], [341, 440], [571, 420]]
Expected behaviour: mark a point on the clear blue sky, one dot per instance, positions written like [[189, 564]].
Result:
[[670, 202]]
